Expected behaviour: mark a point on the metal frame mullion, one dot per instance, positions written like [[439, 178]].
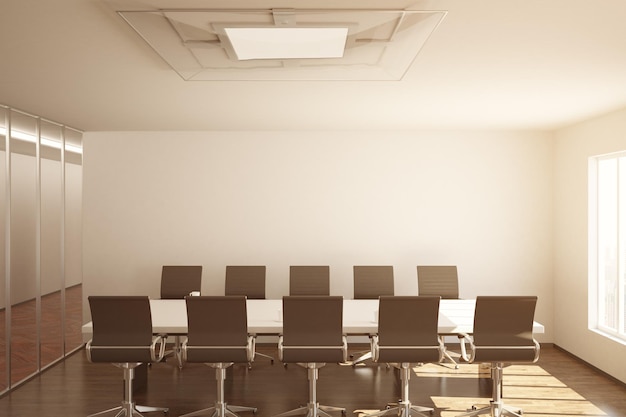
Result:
[[7, 248], [621, 262], [38, 240], [62, 244]]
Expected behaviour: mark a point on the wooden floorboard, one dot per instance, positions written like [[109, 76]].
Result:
[[558, 385]]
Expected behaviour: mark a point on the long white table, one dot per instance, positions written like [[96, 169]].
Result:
[[264, 317]]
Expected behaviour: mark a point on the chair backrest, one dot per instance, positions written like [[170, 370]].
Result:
[[372, 281], [441, 280], [177, 281], [122, 329], [503, 329], [248, 280], [309, 280], [407, 329], [217, 329], [314, 322]]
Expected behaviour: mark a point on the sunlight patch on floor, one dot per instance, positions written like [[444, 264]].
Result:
[[527, 387]]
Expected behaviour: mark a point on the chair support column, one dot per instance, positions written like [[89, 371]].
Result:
[[313, 372], [404, 407], [221, 409], [128, 406], [220, 405]]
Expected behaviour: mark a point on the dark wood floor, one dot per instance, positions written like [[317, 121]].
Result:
[[558, 385]]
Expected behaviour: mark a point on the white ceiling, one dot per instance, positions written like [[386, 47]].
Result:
[[506, 64]]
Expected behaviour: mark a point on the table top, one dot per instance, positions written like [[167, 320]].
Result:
[[264, 317]]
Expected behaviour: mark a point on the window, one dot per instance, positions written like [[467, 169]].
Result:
[[607, 235]]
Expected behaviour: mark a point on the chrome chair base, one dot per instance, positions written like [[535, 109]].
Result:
[[404, 409], [176, 352], [261, 354], [131, 410], [496, 407], [446, 355], [494, 410], [313, 410], [128, 407], [221, 410], [365, 355]]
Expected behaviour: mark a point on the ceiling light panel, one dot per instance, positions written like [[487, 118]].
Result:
[[287, 43], [207, 44]]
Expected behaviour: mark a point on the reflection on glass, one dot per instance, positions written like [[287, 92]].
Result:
[[73, 239], [51, 239], [24, 286], [40, 280]]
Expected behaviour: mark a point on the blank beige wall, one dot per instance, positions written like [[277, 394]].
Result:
[[479, 200], [573, 147]]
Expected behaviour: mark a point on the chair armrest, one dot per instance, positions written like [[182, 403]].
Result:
[[462, 339], [537, 349], [280, 347], [344, 348], [88, 350], [157, 352], [374, 347], [251, 347]]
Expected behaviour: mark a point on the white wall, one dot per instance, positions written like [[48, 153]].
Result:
[[482, 201], [573, 147]]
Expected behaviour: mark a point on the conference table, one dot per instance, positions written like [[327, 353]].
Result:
[[265, 317]]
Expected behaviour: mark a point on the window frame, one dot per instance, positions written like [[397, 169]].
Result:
[[607, 212]]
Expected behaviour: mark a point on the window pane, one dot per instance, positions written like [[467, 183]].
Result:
[[607, 242]]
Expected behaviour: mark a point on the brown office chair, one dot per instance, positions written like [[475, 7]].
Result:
[[312, 335], [177, 282], [309, 280], [442, 281], [122, 335], [370, 282], [407, 333], [218, 336], [503, 333], [248, 280]]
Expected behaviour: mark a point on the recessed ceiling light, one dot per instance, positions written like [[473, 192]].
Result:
[[287, 43]]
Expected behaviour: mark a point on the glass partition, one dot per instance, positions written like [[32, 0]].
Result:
[[73, 239], [51, 239], [40, 248], [24, 292]]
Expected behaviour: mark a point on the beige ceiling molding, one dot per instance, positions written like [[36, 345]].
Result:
[[378, 45]]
